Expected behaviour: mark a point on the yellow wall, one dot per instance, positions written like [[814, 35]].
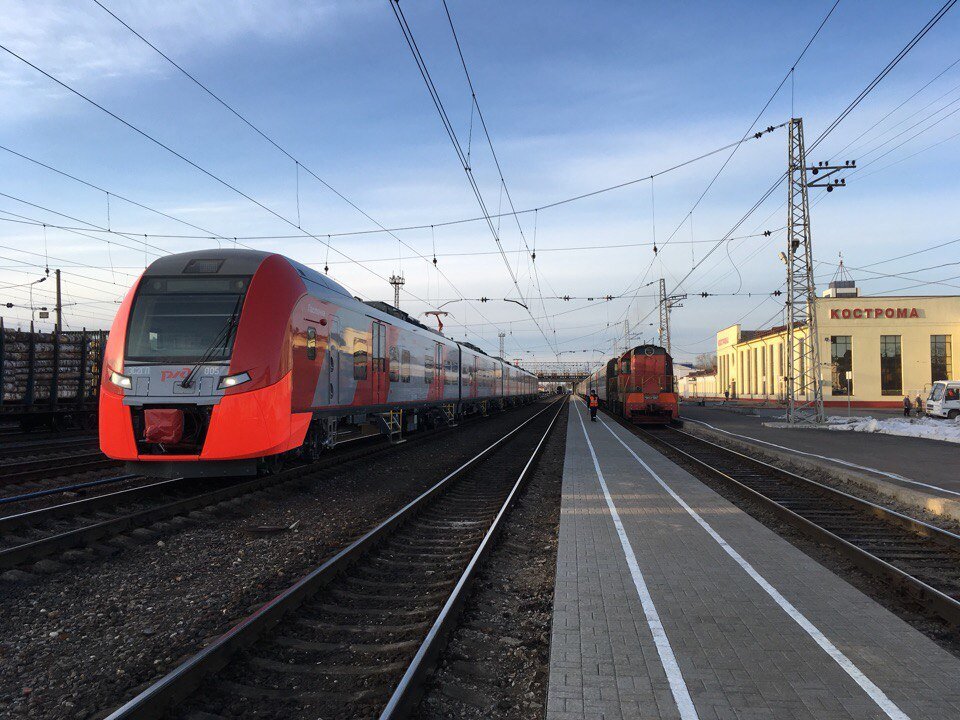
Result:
[[753, 369]]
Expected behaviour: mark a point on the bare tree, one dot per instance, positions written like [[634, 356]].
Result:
[[706, 361]]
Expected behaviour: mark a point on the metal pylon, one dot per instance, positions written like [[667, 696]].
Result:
[[804, 389], [667, 303]]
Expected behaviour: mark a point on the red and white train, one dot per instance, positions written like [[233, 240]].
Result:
[[223, 361]]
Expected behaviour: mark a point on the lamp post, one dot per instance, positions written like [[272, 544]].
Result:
[[35, 282]]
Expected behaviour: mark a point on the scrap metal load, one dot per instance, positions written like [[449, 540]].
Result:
[[47, 378]]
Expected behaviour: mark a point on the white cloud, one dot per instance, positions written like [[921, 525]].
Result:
[[82, 45]]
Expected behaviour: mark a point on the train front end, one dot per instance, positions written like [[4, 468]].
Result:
[[648, 394], [196, 373]]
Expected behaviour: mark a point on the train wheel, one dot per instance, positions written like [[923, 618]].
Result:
[[271, 465]]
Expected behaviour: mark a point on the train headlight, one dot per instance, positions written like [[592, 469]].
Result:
[[121, 381], [229, 381]]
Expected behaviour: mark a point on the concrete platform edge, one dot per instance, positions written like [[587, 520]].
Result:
[[939, 506]]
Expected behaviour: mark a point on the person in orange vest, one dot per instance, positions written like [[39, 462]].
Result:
[[594, 404]]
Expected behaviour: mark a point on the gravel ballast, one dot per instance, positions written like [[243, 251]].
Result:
[[115, 617], [496, 664]]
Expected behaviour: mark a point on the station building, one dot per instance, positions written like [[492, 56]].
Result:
[[891, 346]]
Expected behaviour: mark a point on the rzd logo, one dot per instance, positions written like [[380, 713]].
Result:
[[173, 374]]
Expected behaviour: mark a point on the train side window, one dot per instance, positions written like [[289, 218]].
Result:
[[428, 369], [405, 366], [359, 359], [394, 364], [625, 366], [311, 344]]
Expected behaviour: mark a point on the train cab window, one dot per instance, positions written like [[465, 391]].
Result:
[[359, 359], [183, 319], [405, 366], [394, 364], [428, 369], [625, 366], [311, 344]]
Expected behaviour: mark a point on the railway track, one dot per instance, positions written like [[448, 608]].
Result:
[[357, 635], [45, 447], [921, 559], [34, 535], [15, 473]]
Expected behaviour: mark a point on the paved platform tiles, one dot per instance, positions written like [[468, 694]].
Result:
[[692, 609], [926, 466]]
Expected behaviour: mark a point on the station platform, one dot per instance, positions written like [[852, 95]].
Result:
[[919, 464], [672, 603]]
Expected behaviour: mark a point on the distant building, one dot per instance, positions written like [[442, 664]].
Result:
[[699, 384], [876, 348]]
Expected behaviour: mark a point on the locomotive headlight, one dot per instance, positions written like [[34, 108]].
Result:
[[121, 381], [229, 381]]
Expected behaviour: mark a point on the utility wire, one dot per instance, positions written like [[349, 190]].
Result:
[[193, 164], [298, 163], [832, 126], [451, 133]]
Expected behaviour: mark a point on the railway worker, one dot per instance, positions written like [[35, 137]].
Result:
[[906, 405], [594, 404]]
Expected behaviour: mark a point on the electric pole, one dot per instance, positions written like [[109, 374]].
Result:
[[59, 303], [667, 303], [397, 281], [803, 376], [501, 336]]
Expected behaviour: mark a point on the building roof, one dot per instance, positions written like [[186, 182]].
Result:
[[747, 335], [701, 373]]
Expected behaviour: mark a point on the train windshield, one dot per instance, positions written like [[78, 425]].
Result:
[[183, 319]]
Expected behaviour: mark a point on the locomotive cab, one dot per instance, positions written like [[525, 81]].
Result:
[[197, 363], [179, 343]]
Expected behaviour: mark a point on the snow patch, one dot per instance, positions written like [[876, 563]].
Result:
[[924, 427]]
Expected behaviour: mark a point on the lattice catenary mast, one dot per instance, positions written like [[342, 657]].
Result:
[[666, 304], [803, 376], [397, 281]]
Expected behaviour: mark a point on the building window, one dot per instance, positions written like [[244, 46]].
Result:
[[780, 359], [359, 359], [801, 385], [891, 365], [941, 357], [841, 358]]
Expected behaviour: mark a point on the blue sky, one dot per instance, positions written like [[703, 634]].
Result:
[[577, 96]]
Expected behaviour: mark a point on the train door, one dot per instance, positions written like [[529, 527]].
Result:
[[380, 379], [441, 374], [334, 346]]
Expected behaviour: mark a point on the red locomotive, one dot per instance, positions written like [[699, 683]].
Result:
[[222, 362], [638, 385]]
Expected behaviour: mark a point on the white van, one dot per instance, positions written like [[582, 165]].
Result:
[[944, 400]]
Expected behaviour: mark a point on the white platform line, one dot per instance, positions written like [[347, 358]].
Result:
[[876, 694], [668, 660], [892, 476]]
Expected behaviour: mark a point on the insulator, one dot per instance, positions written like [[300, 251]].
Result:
[[654, 248], [829, 188], [533, 256], [326, 268], [434, 260]]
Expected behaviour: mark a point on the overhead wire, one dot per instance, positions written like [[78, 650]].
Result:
[[298, 163]]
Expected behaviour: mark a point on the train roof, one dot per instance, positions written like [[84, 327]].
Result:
[[231, 261], [236, 261]]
